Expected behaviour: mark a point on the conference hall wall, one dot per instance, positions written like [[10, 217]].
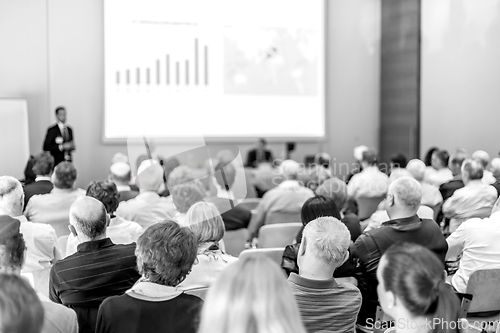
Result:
[[52, 54]]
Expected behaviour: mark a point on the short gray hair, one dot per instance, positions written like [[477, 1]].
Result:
[[335, 189], [11, 192], [417, 169], [90, 216], [327, 238], [408, 191], [204, 219], [473, 168]]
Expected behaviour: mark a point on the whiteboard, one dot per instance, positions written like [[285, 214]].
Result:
[[14, 143]]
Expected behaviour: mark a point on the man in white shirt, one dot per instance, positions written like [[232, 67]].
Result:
[[369, 183], [120, 174], [477, 240], [430, 194], [484, 158], [475, 199]]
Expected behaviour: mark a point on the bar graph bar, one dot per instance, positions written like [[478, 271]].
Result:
[[187, 72], [196, 61], [117, 77], [177, 74], [158, 72], [138, 76], [128, 76], [147, 76], [206, 65], [168, 70]]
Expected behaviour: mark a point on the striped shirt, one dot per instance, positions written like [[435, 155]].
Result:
[[98, 270], [325, 305]]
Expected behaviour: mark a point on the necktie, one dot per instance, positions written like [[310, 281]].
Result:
[[65, 134]]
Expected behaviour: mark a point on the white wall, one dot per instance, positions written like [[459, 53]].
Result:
[[460, 99], [55, 57]]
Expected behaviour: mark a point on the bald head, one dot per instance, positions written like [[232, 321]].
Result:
[[495, 167], [482, 157], [417, 169], [89, 217], [404, 195]]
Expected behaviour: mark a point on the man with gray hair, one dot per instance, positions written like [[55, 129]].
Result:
[[324, 304], [430, 194], [475, 199], [120, 174], [402, 202], [98, 270], [484, 158]]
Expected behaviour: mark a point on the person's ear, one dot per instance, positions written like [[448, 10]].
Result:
[[22, 202], [346, 257], [391, 299], [108, 220], [73, 230]]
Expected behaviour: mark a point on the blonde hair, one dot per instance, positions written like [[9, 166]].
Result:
[[251, 296], [204, 219]]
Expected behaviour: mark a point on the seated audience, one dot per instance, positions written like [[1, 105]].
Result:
[[287, 197], [358, 157], [398, 167], [413, 292], [206, 223], [402, 203], [484, 158], [477, 242], [439, 173], [251, 296], [370, 182], [313, 208], [12, 257], [455, 164], [53, 208], [43, 166], [234, 216], [322, 162], [119, 230], [147, 207], [41, 240], [185, 191], [336, 189], [474, 200], [120, 174], [430, 193], [20, 309], [259, 155], [495, 170], [98, 270], [324, 304], [165, 253]]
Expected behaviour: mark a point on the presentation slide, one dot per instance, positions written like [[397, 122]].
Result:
[[214, 68]]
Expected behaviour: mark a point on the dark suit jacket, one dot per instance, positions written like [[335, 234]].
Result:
[[38, 187], [234, 218], [52, 147], [252, 158]]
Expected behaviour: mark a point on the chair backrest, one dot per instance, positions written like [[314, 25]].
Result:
[[200, 292], [250, 203], [484, 287], [275, 254], [367, 206], [61, 243], [235, 241], [282, 217], [278, 235]]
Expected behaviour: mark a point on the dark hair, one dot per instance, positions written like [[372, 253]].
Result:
[[370, 157], [106, 192], [458, 158], [12, 251], [416, 276], [43, 164], [20, 307], [65, 175], [229, 174], [166, 252], [428, 156], [318, 206], [399, 160], [94, 227], [60, 108], [443, 156]]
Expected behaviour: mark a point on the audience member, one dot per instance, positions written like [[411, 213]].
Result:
[[484, 158], [120, 174], [413, 292], [20, 309], [98, 270], [398, 167], [119, 230], [147, 207], [495, 170], [234, 216], [251, 296], [430, 194], [402, 203], [358, 157], [168, 166], [477, 242], [370, 182], [12, 257], [185, 190], [475, 199], [313, 208], [287, 197], [322, 162], [336, 189], [455, 164], [324, 304], [29, 175], [206, 223], [165, 254], [428, 156], [42, 167], [40, 238], [259, 155], [53, 208], [438, 173]]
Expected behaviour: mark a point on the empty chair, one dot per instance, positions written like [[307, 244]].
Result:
[[367, 206], [235, 241], [278, 235], [274, 254], [282, 217]]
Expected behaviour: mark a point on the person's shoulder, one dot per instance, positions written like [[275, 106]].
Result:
[[40, 229], [51, 128], [348, 287], [124, 247]]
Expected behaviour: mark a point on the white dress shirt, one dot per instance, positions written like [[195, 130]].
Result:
[[146, 209], [477, 240], [369, 183]]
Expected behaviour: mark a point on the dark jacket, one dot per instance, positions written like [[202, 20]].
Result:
[[52, 147], [38, 187], [371, 245]]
